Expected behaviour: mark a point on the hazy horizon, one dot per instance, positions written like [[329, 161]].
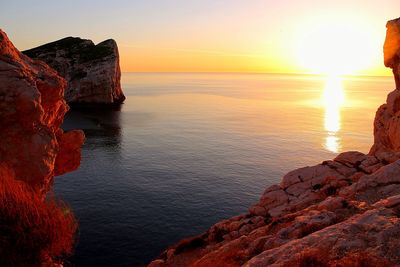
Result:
[[274, 73], [263, 36]]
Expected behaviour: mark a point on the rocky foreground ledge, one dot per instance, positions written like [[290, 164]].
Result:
[[342, 212], [92, 71]]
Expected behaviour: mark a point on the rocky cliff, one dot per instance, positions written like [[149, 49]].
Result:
[[392, 48], [92, 71], [33, 147], [342, 212], [387, 121]]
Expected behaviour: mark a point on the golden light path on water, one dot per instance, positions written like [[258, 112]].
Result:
[[333, 98]]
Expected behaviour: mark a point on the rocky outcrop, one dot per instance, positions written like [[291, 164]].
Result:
[[335, 210], [392, 49], [92, 71], [386, 124], [33, 147], [342, 212]]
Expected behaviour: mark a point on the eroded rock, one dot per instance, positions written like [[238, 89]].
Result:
[[392, 48], [387, 119], [32, 107]]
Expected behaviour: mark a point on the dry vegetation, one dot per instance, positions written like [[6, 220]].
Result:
[[33, 232]]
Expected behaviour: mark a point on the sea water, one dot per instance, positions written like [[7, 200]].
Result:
[[187, 150]]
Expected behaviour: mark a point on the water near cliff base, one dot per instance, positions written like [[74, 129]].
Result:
[[188, 150]]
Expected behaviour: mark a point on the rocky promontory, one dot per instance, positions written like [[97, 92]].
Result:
[[342, 212], [92, 71], [33, 147]]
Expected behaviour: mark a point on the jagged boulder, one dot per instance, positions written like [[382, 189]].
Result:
[[92, 71], [33, 147]]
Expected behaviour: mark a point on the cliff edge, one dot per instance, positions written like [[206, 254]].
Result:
[[33, 147], [92, 71], [342, 212]]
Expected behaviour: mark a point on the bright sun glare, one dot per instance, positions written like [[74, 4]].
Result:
[[334, 46], [333, 98]]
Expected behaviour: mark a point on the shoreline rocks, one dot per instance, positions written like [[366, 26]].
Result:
[[92, 71]]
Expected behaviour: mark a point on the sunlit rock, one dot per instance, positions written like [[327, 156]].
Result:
[[387, 119], [32, 107], [392, 49]]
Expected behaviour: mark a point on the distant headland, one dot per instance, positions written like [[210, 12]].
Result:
[[92, 71]]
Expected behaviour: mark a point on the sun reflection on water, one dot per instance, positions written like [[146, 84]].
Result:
[[333, 98]]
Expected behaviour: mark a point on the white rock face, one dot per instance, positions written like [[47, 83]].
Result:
[[92, 71]]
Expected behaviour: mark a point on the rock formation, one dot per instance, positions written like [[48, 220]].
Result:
[[33, 147], [342, 212], [392, 49], [386, 124], [92, 71]]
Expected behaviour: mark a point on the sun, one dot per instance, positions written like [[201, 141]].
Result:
[[334, 46]]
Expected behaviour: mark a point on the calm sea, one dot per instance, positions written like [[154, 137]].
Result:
[[187, 150]]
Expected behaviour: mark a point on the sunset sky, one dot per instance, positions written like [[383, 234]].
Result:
[[303, 36]]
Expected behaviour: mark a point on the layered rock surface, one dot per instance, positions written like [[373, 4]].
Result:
[[92, 71], [342, 212], [33, 147]]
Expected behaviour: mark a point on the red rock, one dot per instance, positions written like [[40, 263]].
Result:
[[69, 156], [32, 108], [387, 119], [392, 48], [351, 158]]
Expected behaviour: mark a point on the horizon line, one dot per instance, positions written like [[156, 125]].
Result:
[[254, 73]]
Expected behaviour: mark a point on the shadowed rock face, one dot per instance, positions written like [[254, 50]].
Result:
[[33, 147], [342, 212], [387, 119], [92, 71], [391, 48]]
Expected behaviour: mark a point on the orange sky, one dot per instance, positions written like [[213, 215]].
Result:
[[216, 36]]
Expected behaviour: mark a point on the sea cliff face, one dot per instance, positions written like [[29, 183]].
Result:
[[387, 119], [392, 48], [92, 71], [33, 147], [342, 212]]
